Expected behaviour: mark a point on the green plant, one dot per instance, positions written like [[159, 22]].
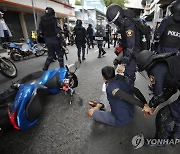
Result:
[[78, 2]]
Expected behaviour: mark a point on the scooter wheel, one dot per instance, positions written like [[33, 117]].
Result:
[[14, 56]]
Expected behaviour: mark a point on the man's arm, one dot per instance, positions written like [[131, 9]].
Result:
[[139, 95], [118, 93]]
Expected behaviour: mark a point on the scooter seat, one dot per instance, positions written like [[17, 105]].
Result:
[[36, 104], [18, 44]]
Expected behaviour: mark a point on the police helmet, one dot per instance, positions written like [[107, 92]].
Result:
[[49, 11], [175, 10], [146, 59], [115, 14], [79, 22], [175, 6]]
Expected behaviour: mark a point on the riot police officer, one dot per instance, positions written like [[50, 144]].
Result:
[[164, 76], [50, 30], [80, 39], [90, 33], [66, 32], [168, 32], [99, 37], [108, 35], [115, 14]]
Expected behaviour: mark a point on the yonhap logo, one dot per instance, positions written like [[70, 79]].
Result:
[[138, 141]]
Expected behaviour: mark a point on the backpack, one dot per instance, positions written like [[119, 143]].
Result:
[[80, 35], [144, 35], [174, 65]]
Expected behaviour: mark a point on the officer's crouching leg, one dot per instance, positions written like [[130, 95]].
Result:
[[176, 130], [163, 123], [61, 60]]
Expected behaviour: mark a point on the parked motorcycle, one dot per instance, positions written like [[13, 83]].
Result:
[[7, 68], [33, 89], [16, 50]]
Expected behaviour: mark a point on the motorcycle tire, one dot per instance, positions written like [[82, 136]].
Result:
[[40, 52], [73, 81], [8, 71], [15, 56]]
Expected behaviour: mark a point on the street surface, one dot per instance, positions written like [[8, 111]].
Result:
[[66, 129]]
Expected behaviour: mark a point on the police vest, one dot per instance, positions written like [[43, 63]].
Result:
[[174, 65], [49, 26], [171, 35]]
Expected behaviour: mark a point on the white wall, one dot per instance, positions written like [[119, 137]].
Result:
[[42, 4], [136, 4]]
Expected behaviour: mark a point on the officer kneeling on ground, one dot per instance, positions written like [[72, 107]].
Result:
[[121, 100], [50, 30], [168, 32], [165, 78]]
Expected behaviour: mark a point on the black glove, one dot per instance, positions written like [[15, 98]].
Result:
[[156, 100]]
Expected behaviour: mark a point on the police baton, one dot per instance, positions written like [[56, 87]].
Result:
[[87, 49], [66, 51]]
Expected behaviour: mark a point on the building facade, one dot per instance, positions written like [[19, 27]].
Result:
[[23, 16], [90, 11], [156, 10]]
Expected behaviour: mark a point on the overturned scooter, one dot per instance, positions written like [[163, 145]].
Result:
[[32, 91]]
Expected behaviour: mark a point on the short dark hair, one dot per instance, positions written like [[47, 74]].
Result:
[[108, 72]]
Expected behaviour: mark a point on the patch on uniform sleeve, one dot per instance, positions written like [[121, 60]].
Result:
[[115, 91], [129, 33]]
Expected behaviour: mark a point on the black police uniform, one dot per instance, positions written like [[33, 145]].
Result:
[[80, 40], [128, 33], [163, 90], [164, 68], [128, 30], [66, 32], [108, 34], [169, 35], [90, 33], [99, 37], [50, 29]]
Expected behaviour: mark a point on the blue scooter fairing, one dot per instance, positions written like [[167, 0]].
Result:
[[30, 98]]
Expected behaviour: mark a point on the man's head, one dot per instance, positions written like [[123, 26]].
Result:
[[49, 11], [90, 25], [115, 14], [108, 72], [79, 22]]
